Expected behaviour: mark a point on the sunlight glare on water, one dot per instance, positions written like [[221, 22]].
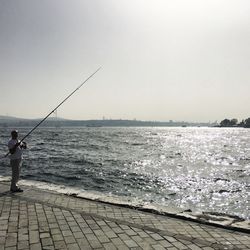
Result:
[[203, 169]]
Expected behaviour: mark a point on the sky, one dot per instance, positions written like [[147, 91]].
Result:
[[161, 59]]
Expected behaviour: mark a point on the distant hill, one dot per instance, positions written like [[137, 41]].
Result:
[[5, 117], [8, 121], [11, 119]]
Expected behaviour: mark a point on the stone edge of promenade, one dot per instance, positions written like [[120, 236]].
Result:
[[222, 221]]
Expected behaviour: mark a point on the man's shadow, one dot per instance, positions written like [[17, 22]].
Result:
[[5, 193]]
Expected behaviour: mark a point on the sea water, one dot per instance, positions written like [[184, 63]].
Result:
[[202, 169]]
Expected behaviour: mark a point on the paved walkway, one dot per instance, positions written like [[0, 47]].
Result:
[[38, 219]]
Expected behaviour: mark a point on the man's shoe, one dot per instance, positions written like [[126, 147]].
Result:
[[19, 190]]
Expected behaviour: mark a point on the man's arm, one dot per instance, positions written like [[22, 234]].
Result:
[[13, 149]]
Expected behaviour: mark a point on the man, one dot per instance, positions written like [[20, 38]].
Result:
[[15, 149]]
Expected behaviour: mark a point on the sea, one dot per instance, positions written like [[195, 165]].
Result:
[[201, 169]]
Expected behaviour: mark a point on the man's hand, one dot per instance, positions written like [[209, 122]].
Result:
[[23, 145]]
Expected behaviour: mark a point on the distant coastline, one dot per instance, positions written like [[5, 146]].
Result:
[[8, 121]]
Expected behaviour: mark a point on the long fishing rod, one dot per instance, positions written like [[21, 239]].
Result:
[[55, 109]]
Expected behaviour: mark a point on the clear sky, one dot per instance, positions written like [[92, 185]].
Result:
[[161, 59]]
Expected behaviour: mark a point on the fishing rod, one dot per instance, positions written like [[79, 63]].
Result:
[[54, 109]]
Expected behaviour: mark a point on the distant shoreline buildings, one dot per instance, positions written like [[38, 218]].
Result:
[[8, 121]]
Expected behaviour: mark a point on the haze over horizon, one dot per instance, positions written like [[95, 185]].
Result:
[[161, 60]]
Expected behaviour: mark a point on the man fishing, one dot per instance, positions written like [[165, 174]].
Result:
[[15, 149], [15, 146]]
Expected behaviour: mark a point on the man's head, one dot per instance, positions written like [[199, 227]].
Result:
[[14, 134]]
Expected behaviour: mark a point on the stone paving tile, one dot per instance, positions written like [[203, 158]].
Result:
[[57, 239], [44, 220]]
